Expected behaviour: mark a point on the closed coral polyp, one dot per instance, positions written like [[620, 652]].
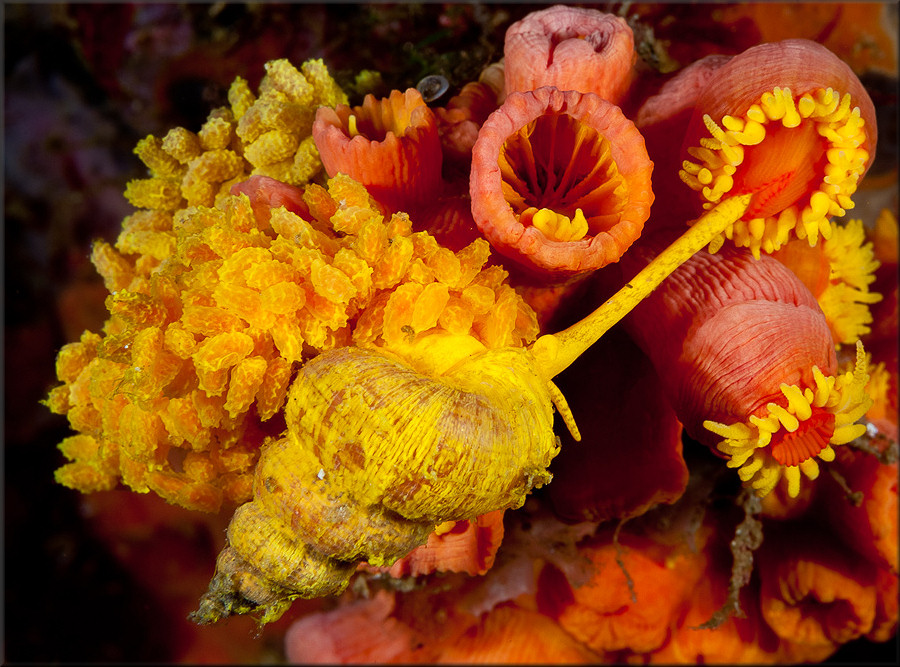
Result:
[[571, 48]]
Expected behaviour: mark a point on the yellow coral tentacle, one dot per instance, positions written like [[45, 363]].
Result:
[[841, 400], [838, 272], [556, 226], [846, 299], [827, 114]]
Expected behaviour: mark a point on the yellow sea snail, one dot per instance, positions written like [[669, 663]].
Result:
[[382, 446]]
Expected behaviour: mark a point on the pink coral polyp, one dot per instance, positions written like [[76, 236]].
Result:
[[571, 49], [566, 154]]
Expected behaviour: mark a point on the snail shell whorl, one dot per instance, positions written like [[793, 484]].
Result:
[[263, 567], [431, 449], [376, 455], [292, 490]]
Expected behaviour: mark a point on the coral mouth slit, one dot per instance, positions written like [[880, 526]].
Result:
[[802, 158], [793, 156], [791, 448], [558, 175]]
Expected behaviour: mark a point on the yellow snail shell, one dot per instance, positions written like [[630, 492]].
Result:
[[376, 455], [380, 450]]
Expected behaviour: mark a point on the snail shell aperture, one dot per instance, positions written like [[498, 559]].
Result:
[[376, 455]]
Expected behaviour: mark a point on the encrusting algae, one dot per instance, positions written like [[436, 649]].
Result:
[[744, 352]]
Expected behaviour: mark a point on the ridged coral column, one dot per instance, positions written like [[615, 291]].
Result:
[[560, 182], [389, 145]]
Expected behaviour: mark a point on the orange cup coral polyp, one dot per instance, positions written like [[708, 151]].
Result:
[[571, 49], [748, 361], [560, 181], [391, 146], [790, 123]]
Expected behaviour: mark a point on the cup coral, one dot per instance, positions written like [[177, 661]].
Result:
[[745, 352], [391, 146], [570, 48], [817, 597], [560, 182], [799, 138]]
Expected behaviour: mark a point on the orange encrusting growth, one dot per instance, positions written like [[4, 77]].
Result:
[[454, 546], [870, 527], [634, 594], [816, 595], [364, 632], [509, 634], [381, 630], [192, 369]]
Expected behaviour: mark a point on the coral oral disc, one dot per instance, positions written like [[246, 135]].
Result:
[[557, 163], [781, 171], [810, 438], [802, 158]]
